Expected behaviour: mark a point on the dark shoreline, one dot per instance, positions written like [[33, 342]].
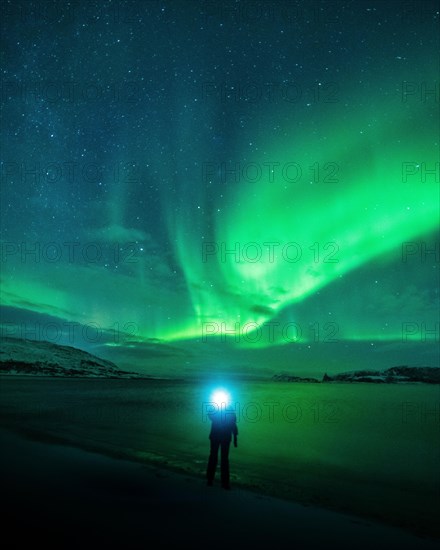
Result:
[[56, 411], [38, 437], [88, 497]]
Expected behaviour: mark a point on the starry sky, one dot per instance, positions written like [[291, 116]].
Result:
[[249, 188]]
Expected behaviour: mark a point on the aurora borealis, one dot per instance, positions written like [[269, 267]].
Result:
[[250, 186]]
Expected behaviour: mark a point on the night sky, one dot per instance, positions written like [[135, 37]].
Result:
[[248, 188]]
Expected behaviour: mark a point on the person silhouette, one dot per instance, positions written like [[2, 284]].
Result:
[[223, 427]]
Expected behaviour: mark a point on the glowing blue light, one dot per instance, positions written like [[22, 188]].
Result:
[[220, 397]]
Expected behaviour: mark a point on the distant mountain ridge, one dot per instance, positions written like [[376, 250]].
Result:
[[393, 375], [39, 358], [289, 378]]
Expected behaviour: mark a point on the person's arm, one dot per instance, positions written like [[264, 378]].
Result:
[[235, 432]]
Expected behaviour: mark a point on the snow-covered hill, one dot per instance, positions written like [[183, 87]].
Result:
[[393, 375], [37, 358], [403, 374]]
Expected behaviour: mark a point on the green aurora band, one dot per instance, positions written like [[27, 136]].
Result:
[[368, 193], [374, 194]]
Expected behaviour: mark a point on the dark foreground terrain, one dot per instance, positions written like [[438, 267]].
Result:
[[115, 463], [64, 497]]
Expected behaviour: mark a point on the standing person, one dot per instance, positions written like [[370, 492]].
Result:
[[223, 427]]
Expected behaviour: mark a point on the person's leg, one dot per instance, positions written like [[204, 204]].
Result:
[[212, 461], [224, 464]]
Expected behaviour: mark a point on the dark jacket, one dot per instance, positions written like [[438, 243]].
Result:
[[224, 425]]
